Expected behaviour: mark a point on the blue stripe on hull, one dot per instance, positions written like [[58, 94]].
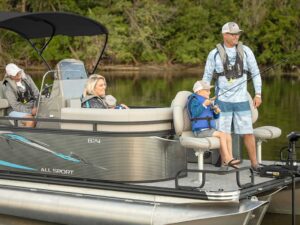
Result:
[[16, 166]]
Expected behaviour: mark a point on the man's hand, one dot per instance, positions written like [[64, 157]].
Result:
[[33, 111], [257, 101]]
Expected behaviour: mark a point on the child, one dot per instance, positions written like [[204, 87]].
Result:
[[202, 114], [111, 102]]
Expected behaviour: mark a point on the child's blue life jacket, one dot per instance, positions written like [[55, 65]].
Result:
[[206, 119]]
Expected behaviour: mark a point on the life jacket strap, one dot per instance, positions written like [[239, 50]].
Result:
[[203, 118], [224, 74]]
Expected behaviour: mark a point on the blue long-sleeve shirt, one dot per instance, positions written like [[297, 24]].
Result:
[[238, 93], [197, 109]]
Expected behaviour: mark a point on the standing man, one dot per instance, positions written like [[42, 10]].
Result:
[[230, 62]]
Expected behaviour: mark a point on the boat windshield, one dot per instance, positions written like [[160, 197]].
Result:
[[72, 70]]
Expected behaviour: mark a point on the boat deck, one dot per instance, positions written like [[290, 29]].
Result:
[[221, 182], [216, 188], [226, 180]]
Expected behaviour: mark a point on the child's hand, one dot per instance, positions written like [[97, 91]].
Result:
[[124, 106], [216, 109], [207, 102]]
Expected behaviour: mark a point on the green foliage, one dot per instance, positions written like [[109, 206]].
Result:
[[167, 31]]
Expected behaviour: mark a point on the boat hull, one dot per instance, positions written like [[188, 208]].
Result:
[[129, 159], [282, 202], [54, 203]]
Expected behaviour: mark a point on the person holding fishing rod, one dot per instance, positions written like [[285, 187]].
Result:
[[230, 63]]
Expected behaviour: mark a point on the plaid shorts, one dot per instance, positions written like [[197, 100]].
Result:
[[235, 117]]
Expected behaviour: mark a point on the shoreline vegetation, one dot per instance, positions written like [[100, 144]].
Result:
[[126, 70], [163, 35], [272, 72]]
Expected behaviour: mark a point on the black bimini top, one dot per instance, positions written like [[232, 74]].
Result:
[[49, 24]]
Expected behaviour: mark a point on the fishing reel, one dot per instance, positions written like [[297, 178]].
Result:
[[214, 106]]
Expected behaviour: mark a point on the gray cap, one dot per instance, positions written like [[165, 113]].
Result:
[[231, 28]]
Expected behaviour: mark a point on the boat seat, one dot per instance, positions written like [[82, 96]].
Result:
[[263, 133], [3, 101], [3, 106], [187, 139], [121, 121], [183, 129], [73, 103]]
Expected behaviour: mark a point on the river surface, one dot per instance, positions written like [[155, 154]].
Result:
[[281, 108]]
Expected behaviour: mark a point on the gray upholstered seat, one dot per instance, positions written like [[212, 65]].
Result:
[[262, 133], [124, 121], [4, 104], [3, 101], [182, 127]]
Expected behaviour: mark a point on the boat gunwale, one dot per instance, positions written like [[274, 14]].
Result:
[[143, 189], [92, 132]]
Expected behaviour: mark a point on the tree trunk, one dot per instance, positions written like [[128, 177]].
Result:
[[23, 6]]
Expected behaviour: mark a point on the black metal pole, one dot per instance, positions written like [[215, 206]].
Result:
[[293, 200]]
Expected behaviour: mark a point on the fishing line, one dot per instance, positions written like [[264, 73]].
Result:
[[265, 70]]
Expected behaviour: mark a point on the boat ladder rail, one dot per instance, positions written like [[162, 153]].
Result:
[[217, 172]]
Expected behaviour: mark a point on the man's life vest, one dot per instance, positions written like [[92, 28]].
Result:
[[206, 120], [231, 71], [22, 96]]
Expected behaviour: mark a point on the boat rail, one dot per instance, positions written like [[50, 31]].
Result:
[[15, 126], [204, 172], [243, 193]]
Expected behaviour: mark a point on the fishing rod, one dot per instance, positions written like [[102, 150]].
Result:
[[265, 70]]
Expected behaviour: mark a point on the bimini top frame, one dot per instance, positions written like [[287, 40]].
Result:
[[50, 24]]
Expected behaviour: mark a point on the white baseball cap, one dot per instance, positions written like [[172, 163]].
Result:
[[231, 28], [201, 85], [12, 69]]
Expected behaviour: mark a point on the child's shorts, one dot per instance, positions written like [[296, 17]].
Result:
[[205, 133]]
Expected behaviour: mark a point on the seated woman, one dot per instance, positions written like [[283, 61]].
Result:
[[94, 94], [21, 93]]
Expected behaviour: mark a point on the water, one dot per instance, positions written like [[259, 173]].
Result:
[[281, 108]]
